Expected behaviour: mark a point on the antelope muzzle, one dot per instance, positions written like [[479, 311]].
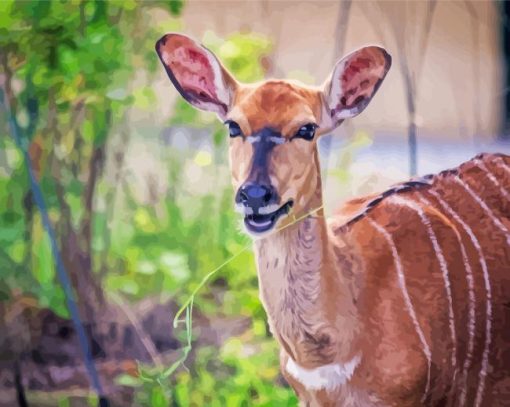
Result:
[[259, 205]]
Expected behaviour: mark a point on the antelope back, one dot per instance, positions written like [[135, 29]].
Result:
[[437, 253]]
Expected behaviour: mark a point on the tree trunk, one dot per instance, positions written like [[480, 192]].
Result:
[[413, 143], [342, 23], [411, 115]]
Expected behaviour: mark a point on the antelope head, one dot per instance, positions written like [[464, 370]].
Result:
[[273, 125]]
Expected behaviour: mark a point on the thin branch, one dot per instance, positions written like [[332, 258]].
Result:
[[111, 199], [7, 85], [144, 338], [422, 50], [342, 24], [96, 165], [411, 73], [64, 223], [274, 68], [368, 8], [475, 30], [61, 271], [77, 116], [116, 19]]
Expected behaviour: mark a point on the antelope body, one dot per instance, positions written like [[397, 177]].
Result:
[[400, 299]]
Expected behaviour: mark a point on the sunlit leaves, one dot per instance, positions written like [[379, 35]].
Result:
[[247, 369], [42, 262], [76, 60], [82, 58], [241, 53], [184, 113], [203, 158], [175, 6], [144, 98], [143, 221], [175, 264]]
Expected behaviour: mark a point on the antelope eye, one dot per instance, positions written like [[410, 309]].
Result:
[[234, 129], [307, 131]]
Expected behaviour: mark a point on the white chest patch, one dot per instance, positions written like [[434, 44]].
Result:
[[327, 377]]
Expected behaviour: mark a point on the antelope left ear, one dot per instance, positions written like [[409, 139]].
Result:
[[354, 81], [196, 73]]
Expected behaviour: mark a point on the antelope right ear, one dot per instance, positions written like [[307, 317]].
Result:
[[354, 81], [196, 73]]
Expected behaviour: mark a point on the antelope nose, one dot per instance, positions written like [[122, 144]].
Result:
[[255, 195]]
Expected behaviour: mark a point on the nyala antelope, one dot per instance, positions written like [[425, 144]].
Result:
[[400, 299]]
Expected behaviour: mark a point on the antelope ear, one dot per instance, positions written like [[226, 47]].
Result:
[[196, 73], [354, 81]]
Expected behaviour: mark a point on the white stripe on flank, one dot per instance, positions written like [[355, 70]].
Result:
[[471, 294], [410, 308], [493, 179], [491, 214], [399, 200], [502, 163], [488, 290]]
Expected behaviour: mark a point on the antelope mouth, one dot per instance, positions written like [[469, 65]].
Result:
[[263, 220]]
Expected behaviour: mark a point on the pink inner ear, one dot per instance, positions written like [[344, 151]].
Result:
[[360, 77], [192, 69]]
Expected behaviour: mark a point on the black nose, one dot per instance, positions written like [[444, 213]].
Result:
[[255, 195]]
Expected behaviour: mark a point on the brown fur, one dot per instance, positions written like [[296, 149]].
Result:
[[393, 369], [330, 295], [290, 171], [334, 290]]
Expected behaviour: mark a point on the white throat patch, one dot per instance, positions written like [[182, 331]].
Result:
[[327, 377]]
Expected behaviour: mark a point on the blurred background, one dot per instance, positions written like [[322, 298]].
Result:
[[137, 186]]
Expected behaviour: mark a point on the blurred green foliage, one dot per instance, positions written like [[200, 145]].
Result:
[[71, 67], [72, 63], [245, 371]]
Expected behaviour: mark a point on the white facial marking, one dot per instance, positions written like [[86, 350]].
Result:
[[442, 264], [268, 209], [253, 139], [409, 305], [277, 140], [471, 295], [273, 139], [243, 210], [327, 377], [259, 223]]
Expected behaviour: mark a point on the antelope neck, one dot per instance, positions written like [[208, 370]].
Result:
[[310, 310]]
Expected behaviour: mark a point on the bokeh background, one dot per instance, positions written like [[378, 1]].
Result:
[[137, 185]]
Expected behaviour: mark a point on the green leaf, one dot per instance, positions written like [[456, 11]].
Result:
[[128, 381], [176, 7]]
